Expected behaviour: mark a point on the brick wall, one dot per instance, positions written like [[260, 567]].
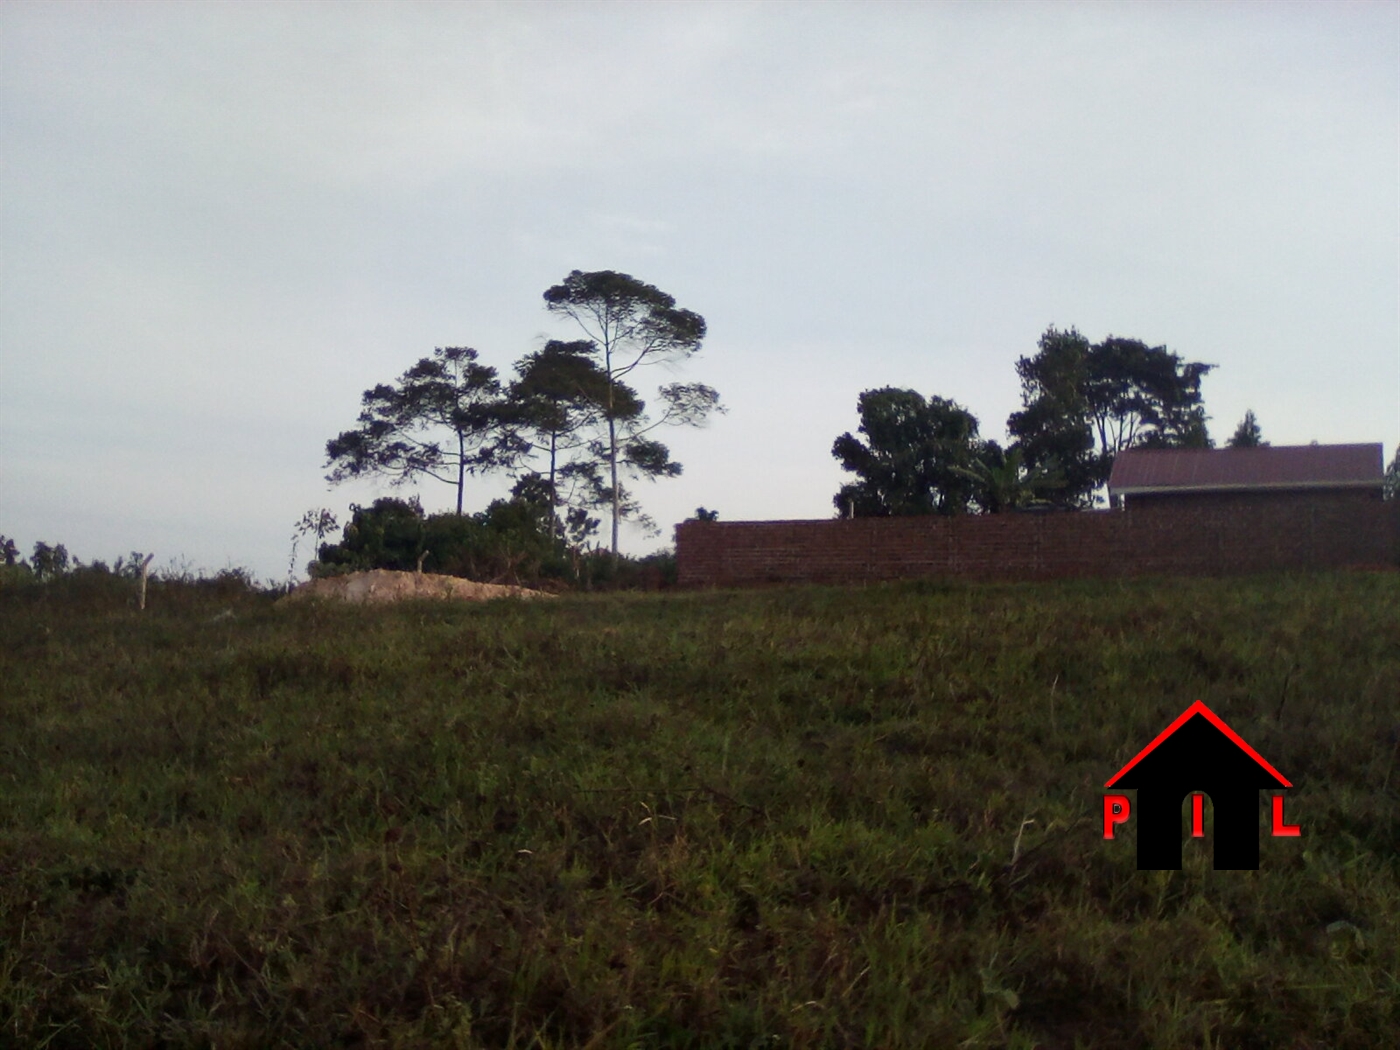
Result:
[[1199, 535]]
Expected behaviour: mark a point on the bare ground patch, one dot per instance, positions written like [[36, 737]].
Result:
[[384, 585]]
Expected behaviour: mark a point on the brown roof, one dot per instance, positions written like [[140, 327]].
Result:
[[1138, 470]]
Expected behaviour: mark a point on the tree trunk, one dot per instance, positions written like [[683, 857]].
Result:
[[461, 471], [556, 527], [612, 462], [612, 447]]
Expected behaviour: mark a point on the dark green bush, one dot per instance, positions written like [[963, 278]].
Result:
[[509, 542]]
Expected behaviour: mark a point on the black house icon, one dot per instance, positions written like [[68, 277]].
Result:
[[1198, 752]]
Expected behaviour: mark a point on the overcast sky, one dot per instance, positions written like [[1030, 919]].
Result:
[[221, 223]]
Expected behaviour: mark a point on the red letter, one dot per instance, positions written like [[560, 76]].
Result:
[[1115, 811], [1282, 830], [1198, 816]]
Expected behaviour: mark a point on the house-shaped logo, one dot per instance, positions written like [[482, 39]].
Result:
[[1197, 754]]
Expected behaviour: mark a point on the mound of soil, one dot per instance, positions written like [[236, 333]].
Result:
[[383, 585]]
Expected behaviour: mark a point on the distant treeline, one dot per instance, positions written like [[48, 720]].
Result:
[[510, 541], [1082, 404]]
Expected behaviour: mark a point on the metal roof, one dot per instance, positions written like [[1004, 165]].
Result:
[[1138, 470]]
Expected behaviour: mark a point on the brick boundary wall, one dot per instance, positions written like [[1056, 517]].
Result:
[[1215, 535]]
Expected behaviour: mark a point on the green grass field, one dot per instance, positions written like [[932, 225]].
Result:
[[807, 817]]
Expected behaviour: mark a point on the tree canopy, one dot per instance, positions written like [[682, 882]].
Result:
[[556, 404], [629, 321], [571, 405], [1052, 430], [915, 457], [1247, 434], [509, 541], [1084, 403], [443, 420], [1003, 482], [627, 324]]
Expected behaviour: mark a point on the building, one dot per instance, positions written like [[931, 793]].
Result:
[[1300, 475]]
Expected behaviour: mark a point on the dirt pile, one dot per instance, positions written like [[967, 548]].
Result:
[[383, 585]]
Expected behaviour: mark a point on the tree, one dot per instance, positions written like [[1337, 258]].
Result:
[[1053, 430], [916, 458], [49, 562], [319, 522], [443, 420], [1003, 482], [584, 484], [1391, 485], [510, 540], [1083, 404], [1247, 434], [561, 395], [1142, 395], [133, 565], [388, 534], [629, 324]]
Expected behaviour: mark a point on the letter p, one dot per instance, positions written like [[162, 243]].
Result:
[[1115, 811]]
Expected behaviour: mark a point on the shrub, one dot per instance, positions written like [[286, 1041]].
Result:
[[16, 575], [511, 541], [49, 562]]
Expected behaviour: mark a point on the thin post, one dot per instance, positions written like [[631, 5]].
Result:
[[145, 572]]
